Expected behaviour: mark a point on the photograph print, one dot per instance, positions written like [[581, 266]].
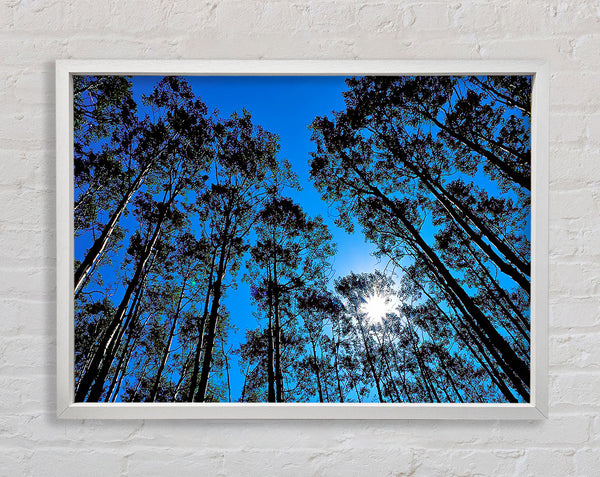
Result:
[[302, 239]]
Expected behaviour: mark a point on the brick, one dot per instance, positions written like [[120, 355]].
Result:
[[578, 279], [332, 16], [575, 166], [380, 17], [585, 48], [571, 389], [568, 128], [584, 96], [32, 87], [27, 355], [25, 317], [575, 351], [15, 462], [188, 462], [467, 462], [155, 47], [587, 461], [90, 16], [20, 169], [22, 207], [43, 15], [26, 283], [575, 312], [547, 462], [557, 49], [62, 461], [575, 203], [432, 16], [20, 395]]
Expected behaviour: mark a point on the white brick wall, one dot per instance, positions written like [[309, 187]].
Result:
[[34, 33]]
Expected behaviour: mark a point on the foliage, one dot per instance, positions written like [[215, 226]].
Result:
[[173, 202]]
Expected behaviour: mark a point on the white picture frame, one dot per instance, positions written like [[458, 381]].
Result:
[[67, 408]]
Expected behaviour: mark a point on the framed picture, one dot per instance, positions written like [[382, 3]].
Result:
[[302, 239]]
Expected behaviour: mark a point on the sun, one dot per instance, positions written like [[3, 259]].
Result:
[[377, 306]]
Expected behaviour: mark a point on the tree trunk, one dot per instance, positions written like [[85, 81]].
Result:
[[525, 109], [201, 324], [520, 322], [95, 251], [316, 370], [167, 351], [277, 332], [489, 368], [489, 342], [226, 368], [214, 315], [515, 176], [504, 267], [401, 373], [103, 356], [515, 268], [270, 349], [129, 325], [370, 361], [125, 365], [518, 367], [337, 371]]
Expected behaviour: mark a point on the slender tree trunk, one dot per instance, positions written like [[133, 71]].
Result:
[[401, 370], [316, 369], [393, 384], [201, 324], [125, 366], [514, 268], [226, 368], [520, 322], [99, 244], [102, 359], [519, 368], [488, 341], [488, 366], [525, 109], [167, 350], [370, 361], [503, 266], [182, 376], [431, 392], [270, 349], [337, 371], [450, 200], [519, 178], [129, 325], [277, 332], [243, 398], [357, 394], [384, 355], [214, 315], [523, 157], [445, 369]]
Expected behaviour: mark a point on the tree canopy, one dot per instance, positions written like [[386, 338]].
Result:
[[179, 209]]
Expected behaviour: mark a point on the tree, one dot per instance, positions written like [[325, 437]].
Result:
[[178, 168], [386, 161], [141, 145], [289, 258], [243, 169]]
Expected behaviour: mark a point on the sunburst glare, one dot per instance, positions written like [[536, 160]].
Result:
[[377, 306]]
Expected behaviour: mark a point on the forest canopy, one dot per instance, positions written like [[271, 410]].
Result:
[[203, 274]]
